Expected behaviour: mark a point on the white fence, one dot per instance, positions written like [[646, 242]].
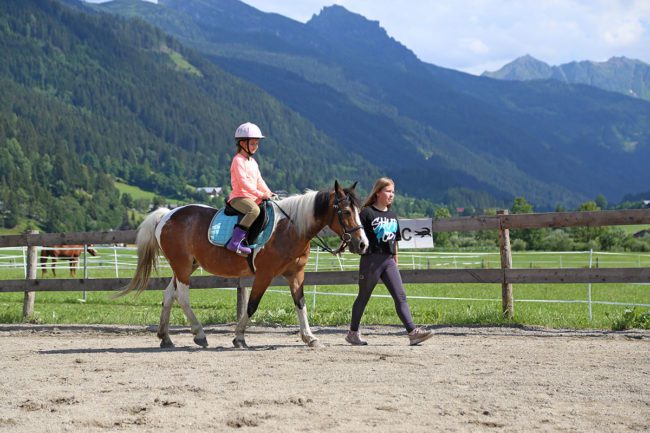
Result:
[[120, 262], [114, 261]]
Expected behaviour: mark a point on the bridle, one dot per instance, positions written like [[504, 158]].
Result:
[[346, 236]]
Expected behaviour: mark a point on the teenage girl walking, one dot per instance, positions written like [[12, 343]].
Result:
[[380, 262]]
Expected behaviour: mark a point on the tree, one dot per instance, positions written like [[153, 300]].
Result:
[[601, 201], [587, 235], [127, 200], [531, 237], [612, 238], [441, 238], [521, 205], [157, 202]]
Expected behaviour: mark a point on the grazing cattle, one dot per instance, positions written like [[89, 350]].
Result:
[[70, 253]]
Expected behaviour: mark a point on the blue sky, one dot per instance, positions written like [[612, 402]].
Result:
[[478, 35]]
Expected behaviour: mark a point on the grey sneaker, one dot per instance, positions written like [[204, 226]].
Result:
[[418, 335], [354, 338]]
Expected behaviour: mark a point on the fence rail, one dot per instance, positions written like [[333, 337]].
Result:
[[495, 276], [502, 222], [544, 220]]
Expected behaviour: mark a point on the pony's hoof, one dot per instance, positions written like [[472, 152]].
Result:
[[239, 344], [315, 343], [203, 342], [166, 343]]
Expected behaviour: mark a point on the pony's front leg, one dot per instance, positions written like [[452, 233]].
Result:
[[297, 292], [305, 331], [163, 328], [183, 298]]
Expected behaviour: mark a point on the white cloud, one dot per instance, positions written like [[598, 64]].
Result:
[[470, 34], [625, 34], [473, 45]]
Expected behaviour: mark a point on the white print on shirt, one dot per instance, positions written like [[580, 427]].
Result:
[[384, 228]]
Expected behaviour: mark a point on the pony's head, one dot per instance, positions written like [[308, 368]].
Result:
[[345, 220], [91, 250]]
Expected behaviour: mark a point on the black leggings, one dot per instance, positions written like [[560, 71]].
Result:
[[371, 269]]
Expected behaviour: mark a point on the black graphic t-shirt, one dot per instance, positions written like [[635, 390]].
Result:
[[382, 230]]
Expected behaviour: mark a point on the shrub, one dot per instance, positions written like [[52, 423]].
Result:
[[518, 245], [633, 318], [557, 240]]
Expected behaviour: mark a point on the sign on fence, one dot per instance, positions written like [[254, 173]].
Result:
[[416, 233]]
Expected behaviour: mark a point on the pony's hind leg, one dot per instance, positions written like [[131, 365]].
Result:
[[240, 340], [73, 267], [44, 262], [168, 302], [260, 284], [183, 298]]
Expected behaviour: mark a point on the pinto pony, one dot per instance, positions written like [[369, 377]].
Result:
[[65, 252], [182, 237]]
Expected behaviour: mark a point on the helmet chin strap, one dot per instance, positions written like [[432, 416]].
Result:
[[246, 149]]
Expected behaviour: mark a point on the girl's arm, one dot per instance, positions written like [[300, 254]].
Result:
[[261, 186]]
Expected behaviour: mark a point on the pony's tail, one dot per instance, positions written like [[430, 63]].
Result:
[[148, 251]]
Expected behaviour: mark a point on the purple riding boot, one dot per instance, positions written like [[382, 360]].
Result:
[[236, 242]]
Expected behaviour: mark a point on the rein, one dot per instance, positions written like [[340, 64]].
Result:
[[346, 237]]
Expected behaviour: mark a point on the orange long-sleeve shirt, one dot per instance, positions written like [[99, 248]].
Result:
[[246, 179]]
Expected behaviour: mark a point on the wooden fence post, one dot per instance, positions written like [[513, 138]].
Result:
[[506, 263], [32, 263], [242, 300]]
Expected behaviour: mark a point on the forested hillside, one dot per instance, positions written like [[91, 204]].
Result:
[[87, 98]]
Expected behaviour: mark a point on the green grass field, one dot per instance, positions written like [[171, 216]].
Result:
[[557, 306], [135, 192]]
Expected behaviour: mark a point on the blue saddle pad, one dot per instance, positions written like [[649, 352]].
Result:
[[222, 225]]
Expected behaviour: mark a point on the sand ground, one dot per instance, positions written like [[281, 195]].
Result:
[[465, 379]]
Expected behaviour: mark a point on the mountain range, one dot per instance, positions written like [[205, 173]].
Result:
[[619, 74], [443, 135], [89, 95]]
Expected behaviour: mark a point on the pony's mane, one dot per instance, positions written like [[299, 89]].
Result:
[[304, 209], [301, 210]]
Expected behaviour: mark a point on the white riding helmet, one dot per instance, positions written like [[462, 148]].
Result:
[[248, 130]]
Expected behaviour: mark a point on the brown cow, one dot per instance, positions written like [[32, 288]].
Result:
[[67, 252]]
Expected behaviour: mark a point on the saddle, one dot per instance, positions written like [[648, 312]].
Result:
[[223, 223]]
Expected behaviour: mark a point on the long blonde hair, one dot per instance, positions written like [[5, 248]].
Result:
[[380, 184]]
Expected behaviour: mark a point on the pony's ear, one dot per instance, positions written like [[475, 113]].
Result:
[[337, 187], [354, 185]]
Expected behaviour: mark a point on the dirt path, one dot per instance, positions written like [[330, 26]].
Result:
[[114, 379]]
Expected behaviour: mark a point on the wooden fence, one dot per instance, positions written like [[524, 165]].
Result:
[[502, 222]]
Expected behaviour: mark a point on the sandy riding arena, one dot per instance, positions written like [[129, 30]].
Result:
[[116, 379]]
